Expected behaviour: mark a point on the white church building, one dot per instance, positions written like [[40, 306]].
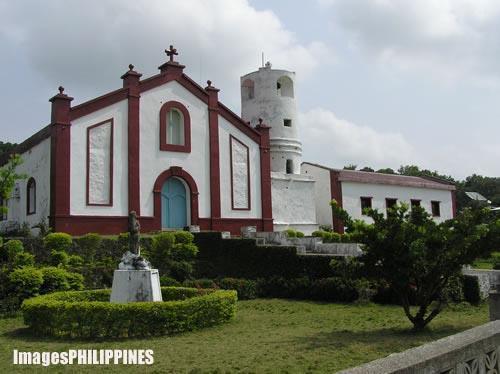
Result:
[[167, 149]]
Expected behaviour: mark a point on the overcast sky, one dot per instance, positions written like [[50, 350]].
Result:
[[380, 82]]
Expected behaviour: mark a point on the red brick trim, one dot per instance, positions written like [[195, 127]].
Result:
[[265, 178], [336, 194], [213, 133], [31, 182], [111, 149], [249, 200], [98, 103], [164, 146], [133, 132], [175, 171], [237, 122]]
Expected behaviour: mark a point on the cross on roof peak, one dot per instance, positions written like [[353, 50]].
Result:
[[171, 52]]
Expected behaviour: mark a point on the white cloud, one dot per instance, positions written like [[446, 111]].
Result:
[[86, 45], [449, 38], [337, 142]]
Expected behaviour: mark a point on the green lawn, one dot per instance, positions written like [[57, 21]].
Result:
[[487, 263], [268, 335]]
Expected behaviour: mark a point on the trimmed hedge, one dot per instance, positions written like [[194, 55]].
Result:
[[86, 314], [242, 258]]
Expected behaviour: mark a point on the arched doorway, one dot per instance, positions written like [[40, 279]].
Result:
[[174, 204]]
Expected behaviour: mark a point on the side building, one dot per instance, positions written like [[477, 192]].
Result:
[[357, 190]]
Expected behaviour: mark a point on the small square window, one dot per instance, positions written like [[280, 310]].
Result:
[[414, 202], [435, 208], [390, 203], [366, 203], [287, 122]]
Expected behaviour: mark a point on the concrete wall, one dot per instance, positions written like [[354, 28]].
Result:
[[473, 351], [78, 179], [293, 202], [153, 161], [322, 192], [36, 164]]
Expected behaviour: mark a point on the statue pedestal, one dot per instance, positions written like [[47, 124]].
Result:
[[136, 285]]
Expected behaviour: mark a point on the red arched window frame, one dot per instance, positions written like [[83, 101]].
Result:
[[165, 109], [31, 202]]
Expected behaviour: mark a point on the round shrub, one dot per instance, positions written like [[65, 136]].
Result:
[[25, 282], [58, 258], [84, 314], [54, 279], [291, 233], [24, 259], [75, 281], [334, 289], [200, 283], [13, 248], [184, 237], [299, 234], [58, 241]]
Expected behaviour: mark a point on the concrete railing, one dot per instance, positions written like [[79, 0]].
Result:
[[474, 351]]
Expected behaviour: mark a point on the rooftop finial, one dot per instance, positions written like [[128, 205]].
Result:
[[171, 52], [268, 65], [61, 89], [260, 121], [209, 83], [130, 67]]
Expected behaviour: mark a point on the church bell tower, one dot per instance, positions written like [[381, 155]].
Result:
[[270, 94]]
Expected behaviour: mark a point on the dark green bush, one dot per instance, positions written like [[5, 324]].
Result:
[[90, 314], [472, 292], [247, 289], [291, 233], [25, 282], [58, 241], [299, 234], [453, 292], [169, 282], [334, 289], [200, 283], [295, 288]]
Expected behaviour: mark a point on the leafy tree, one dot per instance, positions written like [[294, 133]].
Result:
[[350, 167], [415, 255], [367, 168], [6, 147], [8, 176], [386, 171]]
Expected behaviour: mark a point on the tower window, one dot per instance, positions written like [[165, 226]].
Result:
[[435, 208], [284, 87], [287, 122], [247, 89], [289, 166]]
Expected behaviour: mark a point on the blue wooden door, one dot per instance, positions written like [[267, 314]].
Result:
[[173, 204]]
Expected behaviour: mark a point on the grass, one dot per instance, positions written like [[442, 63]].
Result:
[[267, 336], [487, 263]]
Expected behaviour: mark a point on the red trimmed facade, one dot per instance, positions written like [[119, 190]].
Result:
[[63, 115]]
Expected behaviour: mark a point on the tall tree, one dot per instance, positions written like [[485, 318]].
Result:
[[8, 177]]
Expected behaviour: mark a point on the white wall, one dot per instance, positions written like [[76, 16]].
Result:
[[78, 183], [153, 161], [36, 164], [351, 193], [293, 199], [226, 129], [322, 192]]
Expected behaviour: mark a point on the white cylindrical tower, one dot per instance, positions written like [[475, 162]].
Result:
[[270, 94]]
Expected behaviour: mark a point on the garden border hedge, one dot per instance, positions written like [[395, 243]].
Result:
[[85, 314]]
